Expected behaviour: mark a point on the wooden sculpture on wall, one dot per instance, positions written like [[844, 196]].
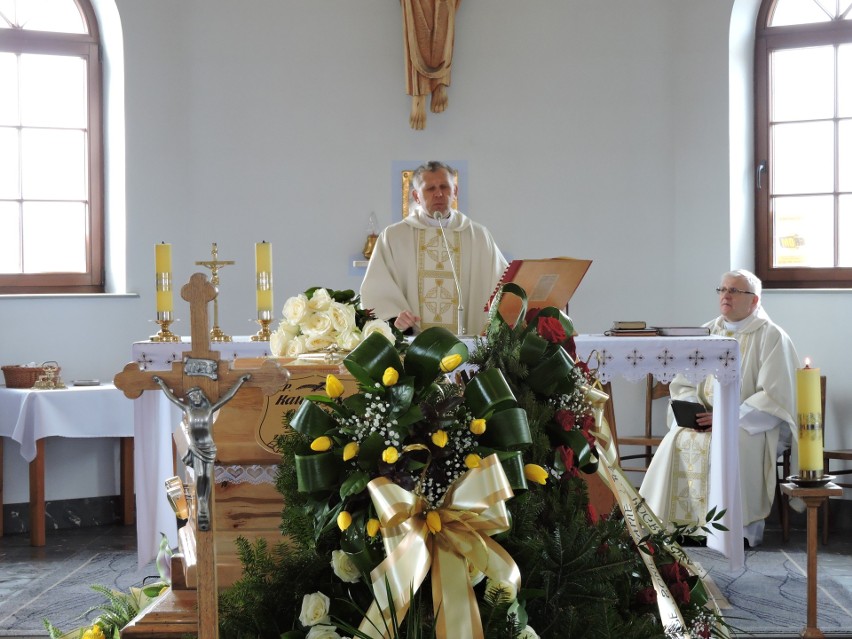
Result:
[[428, 28]]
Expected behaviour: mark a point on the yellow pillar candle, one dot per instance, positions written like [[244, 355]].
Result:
[[263, 269], [163, 267], [809, 409]]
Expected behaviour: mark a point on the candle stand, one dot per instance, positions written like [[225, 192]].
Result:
[[264, 333], [164, 334], [813, 498]]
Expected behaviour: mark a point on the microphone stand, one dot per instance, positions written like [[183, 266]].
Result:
[[460, 320]]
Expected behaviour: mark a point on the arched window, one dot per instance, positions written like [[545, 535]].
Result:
[[51, 149], [803, 143]]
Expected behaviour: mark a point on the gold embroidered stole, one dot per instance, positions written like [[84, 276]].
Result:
[[436, 287]]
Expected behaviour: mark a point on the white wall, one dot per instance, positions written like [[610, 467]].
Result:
[[595, 129]]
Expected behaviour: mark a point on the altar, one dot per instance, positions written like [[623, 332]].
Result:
[[631, 358]]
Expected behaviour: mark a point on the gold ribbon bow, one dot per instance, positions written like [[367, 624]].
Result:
[[473, 509]]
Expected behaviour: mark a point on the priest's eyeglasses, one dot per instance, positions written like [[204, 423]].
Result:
[[724, 290]]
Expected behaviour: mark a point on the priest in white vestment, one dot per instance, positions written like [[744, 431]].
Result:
[[675, 486], [410, 275]]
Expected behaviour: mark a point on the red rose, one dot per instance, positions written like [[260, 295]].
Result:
[[571, 348], [532, 313], [680, 592], [551, 329], [647, 596], [673, 572], [567, 454], [586, 425], [565, 418]]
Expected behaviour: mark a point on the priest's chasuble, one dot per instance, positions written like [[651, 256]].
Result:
[[410, 269], [675, 486]]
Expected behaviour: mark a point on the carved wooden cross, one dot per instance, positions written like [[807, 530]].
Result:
[[201, 370]]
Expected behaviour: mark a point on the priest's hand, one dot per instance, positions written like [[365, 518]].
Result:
[[704, 420], [406, 320]]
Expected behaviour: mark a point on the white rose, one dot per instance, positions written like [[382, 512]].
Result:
[[344, 567], [290, 329], [295, 309], [315, 609], [320, 300], [349, 340], [295, 347], [342, 316], [315, 343], [318, 323], [377, 326], [323, 632], [507, 590], [278, 341], [528, 633]]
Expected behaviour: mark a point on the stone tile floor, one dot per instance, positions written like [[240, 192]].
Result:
[[22, 566]]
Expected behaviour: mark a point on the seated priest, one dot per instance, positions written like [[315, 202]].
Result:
[[409, 279], [676, 484]]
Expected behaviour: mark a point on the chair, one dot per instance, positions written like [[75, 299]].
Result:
[[783, 464], [845, 455], [653, 390]]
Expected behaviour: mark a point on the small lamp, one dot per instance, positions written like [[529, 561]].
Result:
[[372, 236]]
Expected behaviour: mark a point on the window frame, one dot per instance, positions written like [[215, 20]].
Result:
[[87, 46], [767, 40]]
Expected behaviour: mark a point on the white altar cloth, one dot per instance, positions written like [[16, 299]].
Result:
[[27, 415], [154, 418], [695, 357]]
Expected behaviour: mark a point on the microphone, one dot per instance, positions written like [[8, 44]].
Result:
[[440, 215]]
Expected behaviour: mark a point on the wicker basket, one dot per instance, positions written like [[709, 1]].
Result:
[[23, 376]]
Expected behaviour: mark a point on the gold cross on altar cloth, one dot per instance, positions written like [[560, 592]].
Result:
[[201, 371]]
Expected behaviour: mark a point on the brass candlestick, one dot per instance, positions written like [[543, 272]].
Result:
[[216, 334], [164, 319], [264, 333]]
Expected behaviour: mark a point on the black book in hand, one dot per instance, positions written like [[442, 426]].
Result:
[[686, 413]]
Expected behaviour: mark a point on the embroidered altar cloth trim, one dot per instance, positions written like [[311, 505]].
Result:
[[664, 357]]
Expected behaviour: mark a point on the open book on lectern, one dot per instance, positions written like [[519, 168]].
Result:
[[547, 282]]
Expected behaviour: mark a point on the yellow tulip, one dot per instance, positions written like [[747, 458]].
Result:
[[350, 451], [535, 473], [94, 632], [390, 377], [439, 438], [477, 426], [333, 387], [390, 455], [344, 520], [373, 526], [433, 522], [472, 460], [322, 444], [450, 362]]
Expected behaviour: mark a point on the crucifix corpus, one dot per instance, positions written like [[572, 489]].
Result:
[[199, 385], [428, 31]]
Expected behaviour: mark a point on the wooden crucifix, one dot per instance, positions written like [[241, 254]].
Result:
[[200, 384]]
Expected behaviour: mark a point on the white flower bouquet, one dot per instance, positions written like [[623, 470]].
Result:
[[322, 319]]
